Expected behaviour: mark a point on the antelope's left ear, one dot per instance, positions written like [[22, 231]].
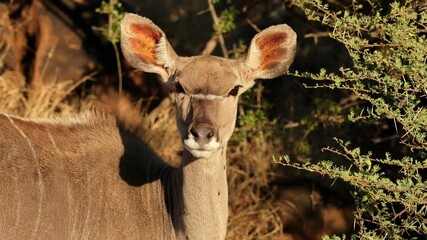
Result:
[[271, 53]]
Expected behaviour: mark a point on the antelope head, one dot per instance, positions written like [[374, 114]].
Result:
[[206, 88]]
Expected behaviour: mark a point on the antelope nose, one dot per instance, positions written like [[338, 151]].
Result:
[[202, 133]]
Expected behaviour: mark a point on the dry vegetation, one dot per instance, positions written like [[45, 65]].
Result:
[[259, 209]]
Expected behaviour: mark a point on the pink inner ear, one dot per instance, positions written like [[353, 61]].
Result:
[[145, 43], [272, 50]]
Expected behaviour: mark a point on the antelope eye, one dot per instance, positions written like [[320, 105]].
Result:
[[234, 91], [179, 88]]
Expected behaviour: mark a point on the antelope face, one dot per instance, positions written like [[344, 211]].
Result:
[[206, 87], [207, 90]]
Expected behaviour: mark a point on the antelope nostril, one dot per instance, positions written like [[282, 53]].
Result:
[[193, 132], [202, 132], [210, 134]]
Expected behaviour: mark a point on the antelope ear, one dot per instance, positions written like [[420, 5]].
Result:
[[271, 52], [145, 46]]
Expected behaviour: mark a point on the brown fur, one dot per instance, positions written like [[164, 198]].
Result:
[[79, 179], [88, 178]]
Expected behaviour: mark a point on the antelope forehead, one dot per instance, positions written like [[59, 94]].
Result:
[[211, 86], [211, 89], [209, 77]]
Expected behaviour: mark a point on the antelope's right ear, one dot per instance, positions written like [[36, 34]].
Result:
[[145, 46]]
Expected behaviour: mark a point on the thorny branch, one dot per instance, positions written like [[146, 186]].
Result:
[[216, 22]]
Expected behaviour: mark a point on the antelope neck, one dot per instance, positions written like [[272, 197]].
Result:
[[202, 189]]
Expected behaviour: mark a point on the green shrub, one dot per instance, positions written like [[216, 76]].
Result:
[[388, 46]]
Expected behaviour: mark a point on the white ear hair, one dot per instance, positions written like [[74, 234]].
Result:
[[145, 46], [271, 52]]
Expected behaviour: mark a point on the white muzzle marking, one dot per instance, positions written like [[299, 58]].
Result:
[[199, 151]]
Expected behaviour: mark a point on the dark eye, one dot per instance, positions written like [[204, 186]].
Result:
[[179, 88], [234, 91]]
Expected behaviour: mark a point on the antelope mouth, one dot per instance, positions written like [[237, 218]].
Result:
[[201, 151]]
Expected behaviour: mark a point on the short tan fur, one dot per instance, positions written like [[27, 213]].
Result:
[[89, 178]]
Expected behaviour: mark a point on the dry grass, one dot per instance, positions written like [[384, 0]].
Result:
[[16, 93], [11, 97], [254, 214], [45, 102]]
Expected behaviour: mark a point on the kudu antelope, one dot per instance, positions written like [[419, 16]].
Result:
[[88, 178]]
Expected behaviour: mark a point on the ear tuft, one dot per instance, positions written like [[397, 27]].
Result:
[[271, 52], [145, 47]]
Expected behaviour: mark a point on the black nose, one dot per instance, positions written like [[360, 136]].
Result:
[[202, 132]]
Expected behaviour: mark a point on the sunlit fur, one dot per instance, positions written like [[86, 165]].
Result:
[[89, 178]]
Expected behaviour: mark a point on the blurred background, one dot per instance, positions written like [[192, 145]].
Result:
[[62, 57]]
